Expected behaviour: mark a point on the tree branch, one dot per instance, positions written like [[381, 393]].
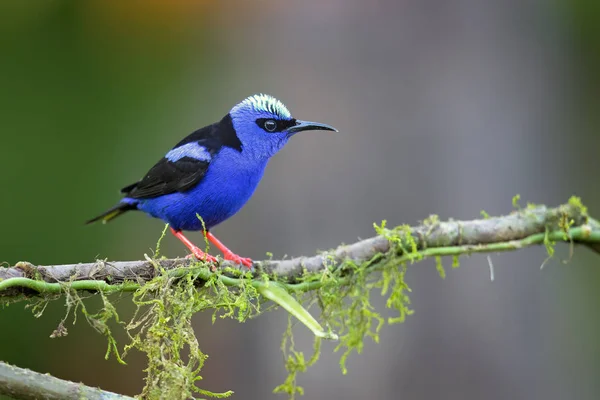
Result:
[[526, 227], [522, 228], [25, 384]]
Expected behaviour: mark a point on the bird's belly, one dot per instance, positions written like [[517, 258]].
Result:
[[215, 199]]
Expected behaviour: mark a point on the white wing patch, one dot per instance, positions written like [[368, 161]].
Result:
[[265, 103], [192, 150]]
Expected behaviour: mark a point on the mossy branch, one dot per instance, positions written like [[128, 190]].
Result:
[[25, 384], [522, 228], [340, 281]]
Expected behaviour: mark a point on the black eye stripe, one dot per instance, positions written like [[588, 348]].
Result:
[[281, 125]]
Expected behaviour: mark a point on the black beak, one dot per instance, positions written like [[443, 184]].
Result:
[[309, 126]]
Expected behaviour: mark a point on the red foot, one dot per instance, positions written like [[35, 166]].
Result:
[[228, 254], [202, 256], [237, 259], [196, 252]]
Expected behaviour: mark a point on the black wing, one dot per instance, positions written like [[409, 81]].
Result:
[[168, 177]]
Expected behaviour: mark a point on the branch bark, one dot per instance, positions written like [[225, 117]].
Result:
[[521, 228], [25, 384]]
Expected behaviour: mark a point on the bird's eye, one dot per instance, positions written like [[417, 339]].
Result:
[[270, 125]]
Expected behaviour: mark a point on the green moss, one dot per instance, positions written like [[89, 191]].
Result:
[[239, 303], [162, 329], [411, 243], [345, 295], [295, 362], [161, 326], [549, 243], [565, 223], [455, 262], [401, 239], [381, 229], [162, 236], [398, 299], [433, 219], [577, 203], [515, 201], [99, 321], [440, 267], [484, 214], [359, 319]]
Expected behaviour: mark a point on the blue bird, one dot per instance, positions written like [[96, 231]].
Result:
[[213, 172]]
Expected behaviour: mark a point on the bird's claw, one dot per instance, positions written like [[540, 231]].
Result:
[[202, 256], [238, 260]]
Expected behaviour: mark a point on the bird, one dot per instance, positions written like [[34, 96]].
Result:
[[211, 174]]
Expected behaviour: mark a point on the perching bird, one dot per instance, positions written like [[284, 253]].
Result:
[[213, 172]]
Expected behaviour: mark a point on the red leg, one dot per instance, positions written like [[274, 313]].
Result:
[[199, 254], [228, 254]]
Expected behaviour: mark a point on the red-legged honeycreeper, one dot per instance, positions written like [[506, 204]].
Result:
[[213, 172]]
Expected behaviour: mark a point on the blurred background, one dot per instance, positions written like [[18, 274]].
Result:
[[445, 107]]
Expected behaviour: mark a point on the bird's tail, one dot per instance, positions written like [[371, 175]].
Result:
[[113, 213]]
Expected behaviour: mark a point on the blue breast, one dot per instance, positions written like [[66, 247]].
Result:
[[229, 183]]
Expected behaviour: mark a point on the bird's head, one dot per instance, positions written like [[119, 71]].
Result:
[[264, 125]]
